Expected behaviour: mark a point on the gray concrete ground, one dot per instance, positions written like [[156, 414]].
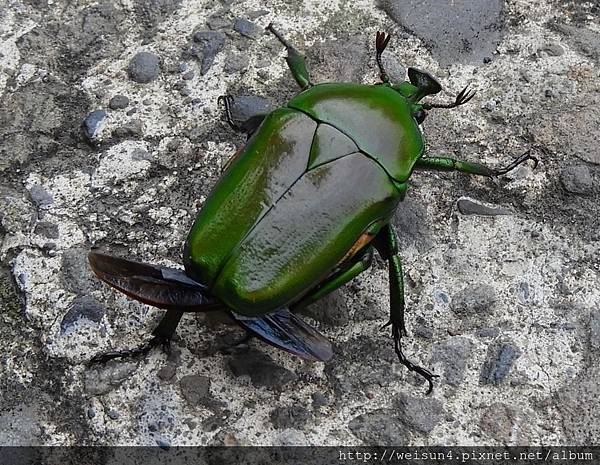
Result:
[[502, 275]]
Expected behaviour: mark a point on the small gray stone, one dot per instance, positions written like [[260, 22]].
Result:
[[211, 43], [523, 292], [195, 389], [133, 129], [472, 207], [92, 123], [595, 329], [422, 331], [420, 414], [218, 21], [40, 196], [140, 154], [499, 361], [499, 421], [290, 417], [319, 399], [379, 427], [257, 13], [247, 28], [487, 332], [100, 380], [236, 64], [163, 443], [554, 50], [246, 106], [118, 102], [83, 307], [454, 353], [167, 372], [261, 369], [49, 230], [143, 67], [577, 179], [474, 300]]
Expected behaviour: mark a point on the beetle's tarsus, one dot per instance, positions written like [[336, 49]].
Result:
[[131, 353], [227, 101], [381, 42], [464, 96], [523, 158], [397, 333]]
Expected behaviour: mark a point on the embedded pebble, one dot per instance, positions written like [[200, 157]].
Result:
[[118, 102], [454, 354], [236, 64], [144, 67], [476, 299], [381, 426], [420, 414], [290, 417], [83, 307], [212, 43], [472, 207], [92, 123], [247, 28], [499, 361], [195, 389], [577, 179]]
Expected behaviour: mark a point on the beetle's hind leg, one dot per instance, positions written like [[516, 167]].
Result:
[[295, 60], [161, 336], [386, 244]]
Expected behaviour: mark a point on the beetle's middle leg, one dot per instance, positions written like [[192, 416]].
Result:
[[386, 244], [295, 60]]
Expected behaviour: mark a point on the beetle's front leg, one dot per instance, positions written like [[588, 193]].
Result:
[[295, 60], [386, 244], [452, 164]]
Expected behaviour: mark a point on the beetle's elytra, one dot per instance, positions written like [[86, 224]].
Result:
[[300, 211]]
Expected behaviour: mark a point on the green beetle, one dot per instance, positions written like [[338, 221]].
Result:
[[299, 211]]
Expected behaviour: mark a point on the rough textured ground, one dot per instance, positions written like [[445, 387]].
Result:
[[502, 275]]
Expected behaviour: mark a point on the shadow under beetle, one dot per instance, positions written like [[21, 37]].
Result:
[[299, 211]]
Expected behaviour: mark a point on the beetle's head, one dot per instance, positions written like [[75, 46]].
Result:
[[421, 85]]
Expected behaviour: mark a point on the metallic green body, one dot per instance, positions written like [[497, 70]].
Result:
[[313, 178]]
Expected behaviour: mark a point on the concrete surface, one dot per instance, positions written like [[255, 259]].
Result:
[[503, 292]]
